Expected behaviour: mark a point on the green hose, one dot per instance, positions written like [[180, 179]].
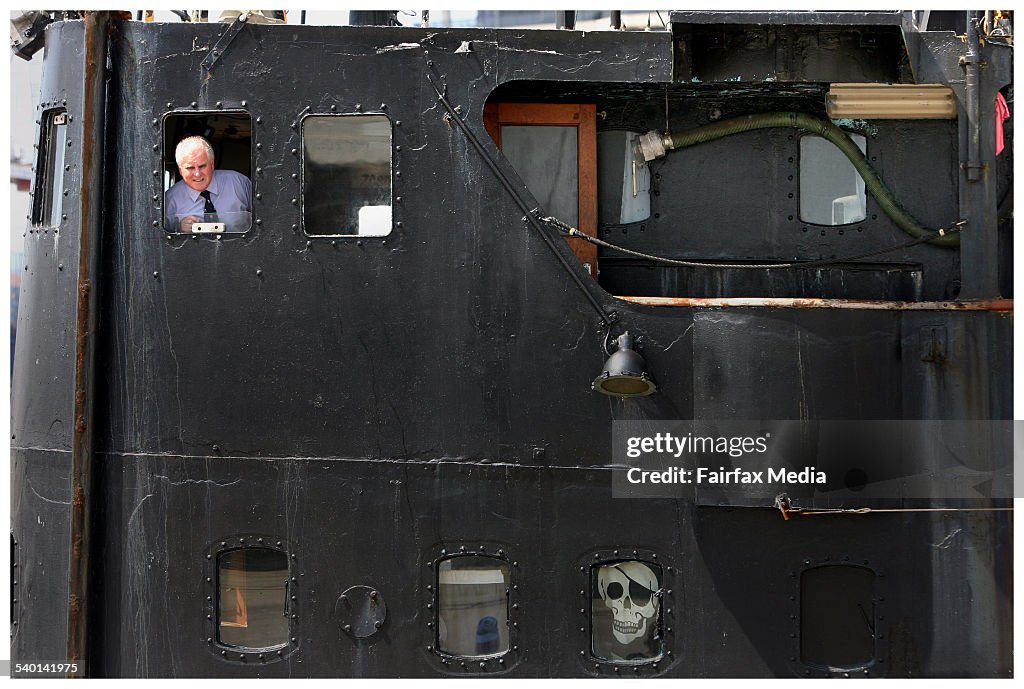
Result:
[[825, 129]]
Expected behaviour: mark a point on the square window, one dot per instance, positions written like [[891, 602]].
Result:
[[346, 175], [831, 190], [207, 172]]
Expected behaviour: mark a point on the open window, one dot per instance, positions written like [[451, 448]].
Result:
[[346, 175], [227, 181], [553, 147], [48, 199]]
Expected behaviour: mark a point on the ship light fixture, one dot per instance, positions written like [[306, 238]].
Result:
[[891, 102], [625, 372]]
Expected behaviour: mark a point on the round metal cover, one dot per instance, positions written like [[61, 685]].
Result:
[[361, 611]]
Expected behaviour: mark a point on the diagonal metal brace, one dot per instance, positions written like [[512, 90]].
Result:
[[529, 216], [224, 41]]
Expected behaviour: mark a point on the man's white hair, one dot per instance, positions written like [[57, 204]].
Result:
[[189, 144]]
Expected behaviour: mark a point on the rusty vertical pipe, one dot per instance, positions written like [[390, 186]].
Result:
[[97, 26]]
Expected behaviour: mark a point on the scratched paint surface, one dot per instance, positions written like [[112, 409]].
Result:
[[372, 402]]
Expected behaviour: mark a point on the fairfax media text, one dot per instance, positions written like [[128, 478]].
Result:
[[721, 475]]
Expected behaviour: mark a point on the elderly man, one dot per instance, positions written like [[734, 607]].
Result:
[[202, 190]]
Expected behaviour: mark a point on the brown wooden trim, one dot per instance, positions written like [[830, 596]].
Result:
[[586, 152], [552, 114], [491, 123], [584, 118]]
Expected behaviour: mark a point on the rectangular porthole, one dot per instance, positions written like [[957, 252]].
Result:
[[252, 598], [831, 190], [472, 606], [626, 615], [346, 175], [207, 172], [48, 196], [837, 617]]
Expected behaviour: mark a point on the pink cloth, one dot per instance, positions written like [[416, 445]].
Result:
[[1002, 113]]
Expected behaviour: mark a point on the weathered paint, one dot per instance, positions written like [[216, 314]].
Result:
[[374, 402]]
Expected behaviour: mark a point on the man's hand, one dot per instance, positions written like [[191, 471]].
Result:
[[186, 223]]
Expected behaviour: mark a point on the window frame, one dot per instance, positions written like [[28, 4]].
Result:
[[881, 651], [597, 666], [46, 196], [166, 156], [465, 664], [302, 173], [211, 599], [800, 178], [582, 116]]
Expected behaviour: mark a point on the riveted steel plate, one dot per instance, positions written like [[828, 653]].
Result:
[[361, 611]]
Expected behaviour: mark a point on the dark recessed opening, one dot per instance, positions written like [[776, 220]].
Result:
[[837, 617]]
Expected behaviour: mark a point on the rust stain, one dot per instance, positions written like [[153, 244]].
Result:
[[992, 305], [97, 26]]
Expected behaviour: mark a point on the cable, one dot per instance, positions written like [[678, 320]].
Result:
[[784, 505], [573, 232]]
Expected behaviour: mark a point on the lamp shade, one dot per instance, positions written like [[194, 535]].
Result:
[[625, 372]]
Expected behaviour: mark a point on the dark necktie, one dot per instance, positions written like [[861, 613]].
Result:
[[205, 193]]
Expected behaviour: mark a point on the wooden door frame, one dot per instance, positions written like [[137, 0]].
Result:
[[582, 116]]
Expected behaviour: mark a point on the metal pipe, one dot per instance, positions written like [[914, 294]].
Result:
[[615, 20], [991, 305], [97, 27], [565, 19], [972, 65]]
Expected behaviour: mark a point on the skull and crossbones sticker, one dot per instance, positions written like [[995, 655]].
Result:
[[630, 591]]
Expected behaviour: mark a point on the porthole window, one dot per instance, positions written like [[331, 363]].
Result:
[[207, 172], [472, 606], [346, 175], [626, 615], [831, 191], [252, 598], [48, 198], [837, 617]]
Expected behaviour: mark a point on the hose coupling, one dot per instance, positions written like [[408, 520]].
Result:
[[653, 145]]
